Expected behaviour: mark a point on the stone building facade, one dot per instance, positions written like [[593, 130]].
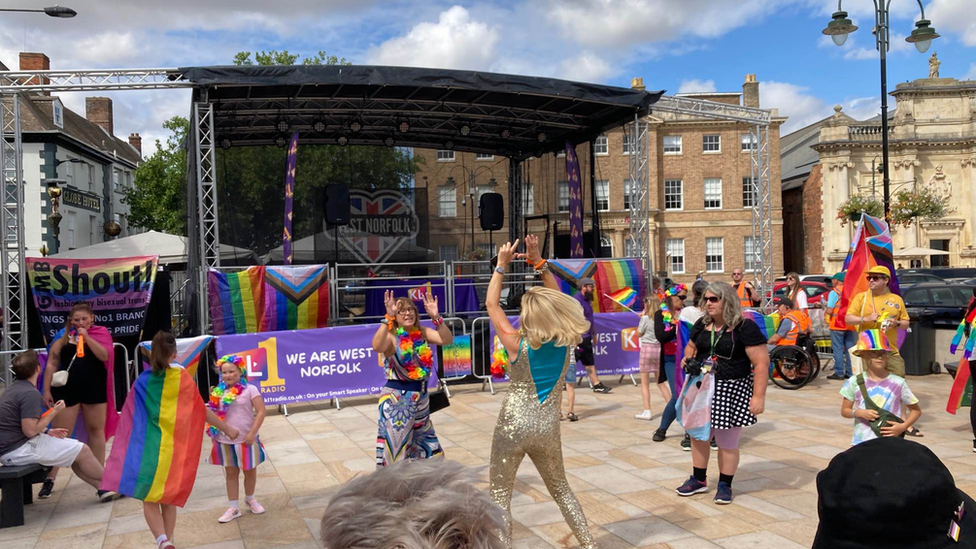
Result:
[[700, 193]]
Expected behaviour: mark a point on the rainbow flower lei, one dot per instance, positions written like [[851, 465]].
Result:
[[222, 396], [499, 360], [663, 295], [415, 353]]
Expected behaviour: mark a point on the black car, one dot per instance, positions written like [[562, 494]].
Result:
[[940, 302], [906, 279]]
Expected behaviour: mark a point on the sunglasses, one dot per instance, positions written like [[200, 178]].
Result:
[[736, 274], [876, 277], [713, 299], [682, 297]]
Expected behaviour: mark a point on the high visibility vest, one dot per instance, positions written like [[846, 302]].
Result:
[[744, 299], [831, 319], [801, 324]]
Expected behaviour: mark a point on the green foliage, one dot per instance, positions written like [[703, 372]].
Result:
[[275, 57], [920, 204], [851, 209], [157, 200]]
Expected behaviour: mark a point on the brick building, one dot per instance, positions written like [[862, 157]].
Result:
[[700, 193]]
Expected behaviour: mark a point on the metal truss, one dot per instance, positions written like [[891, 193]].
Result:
[[121, 79], [712, 110], [640, 201], [12, 265], [206, 206]]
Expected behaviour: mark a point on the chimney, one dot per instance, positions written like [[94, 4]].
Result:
[[35, 62], [637, 83], [750, 92], [136, 141], [99, 111]]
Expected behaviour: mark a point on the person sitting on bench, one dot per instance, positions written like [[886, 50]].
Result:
[[24, 434]]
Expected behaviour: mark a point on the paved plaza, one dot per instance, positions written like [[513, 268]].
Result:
[[624, 481]]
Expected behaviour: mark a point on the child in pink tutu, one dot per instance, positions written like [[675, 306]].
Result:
[[240, 405]]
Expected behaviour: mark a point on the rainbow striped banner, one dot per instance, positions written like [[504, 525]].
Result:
[[614, 275], [189, 350], [157, 445], [269, 299], [457, 357]]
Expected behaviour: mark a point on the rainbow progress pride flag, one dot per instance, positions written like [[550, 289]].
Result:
[[157, 445], [269, 299], [189, 350]]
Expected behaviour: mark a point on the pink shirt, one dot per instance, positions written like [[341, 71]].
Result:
[[240, 415]]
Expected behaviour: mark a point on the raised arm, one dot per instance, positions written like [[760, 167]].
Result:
[[382, 340], [442, 334], [534, 257], [503, 328]]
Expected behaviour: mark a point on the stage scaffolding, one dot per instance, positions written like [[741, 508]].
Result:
[[524, 117]]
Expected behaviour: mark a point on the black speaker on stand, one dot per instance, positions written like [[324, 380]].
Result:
[[337, 211], [491, 213]]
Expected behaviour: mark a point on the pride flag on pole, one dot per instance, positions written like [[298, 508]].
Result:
[[575, 202], [286, 238], [870, 247], [157, 445]]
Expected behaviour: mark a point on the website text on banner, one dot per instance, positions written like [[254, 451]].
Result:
[[616, 344], [118, 289], [307, 365]]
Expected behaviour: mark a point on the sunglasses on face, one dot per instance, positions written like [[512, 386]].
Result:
[[682, 297], [713, 299], [874, 277], [736, 274]]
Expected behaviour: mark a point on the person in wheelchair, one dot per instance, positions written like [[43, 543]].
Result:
[[794, 326]]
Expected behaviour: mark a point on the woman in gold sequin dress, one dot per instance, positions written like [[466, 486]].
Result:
[[550, 325]]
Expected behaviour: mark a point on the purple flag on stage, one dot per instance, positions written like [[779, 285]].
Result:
[[575, 202], [289, 197]]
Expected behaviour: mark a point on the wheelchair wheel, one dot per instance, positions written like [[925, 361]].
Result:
[[792, 367]]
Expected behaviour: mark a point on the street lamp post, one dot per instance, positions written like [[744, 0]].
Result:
[[53, 11], [923, 34]]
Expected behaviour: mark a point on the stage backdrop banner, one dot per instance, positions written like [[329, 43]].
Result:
[[265, 299], [610, 275], [616, 344], [118, 289], [307, 365]]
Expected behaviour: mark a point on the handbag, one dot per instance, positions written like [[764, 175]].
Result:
[[60, 378], [439, 399], [884, 416]]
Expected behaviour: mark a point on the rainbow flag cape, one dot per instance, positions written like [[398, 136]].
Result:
[[157, 446], [616, 275], [269, 299], [625, 297], [962, 389], [870, 247], [189, 350]]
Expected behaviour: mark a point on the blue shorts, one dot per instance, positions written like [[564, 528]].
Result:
[[571, 373]]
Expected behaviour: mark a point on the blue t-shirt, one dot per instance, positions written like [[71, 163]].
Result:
[[587, 311], [832, 299]]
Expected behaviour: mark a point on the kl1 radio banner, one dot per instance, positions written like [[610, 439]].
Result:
[[616, 344], [307, 365], [118, 290]]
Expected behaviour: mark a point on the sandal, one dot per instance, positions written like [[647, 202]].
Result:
[[562, 417], [572, 416], [913, 432]]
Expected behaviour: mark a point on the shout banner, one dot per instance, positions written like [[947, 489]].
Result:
[[118, 289], [307, 365]]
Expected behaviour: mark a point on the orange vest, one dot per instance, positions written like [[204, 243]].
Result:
[[832, 319], [801, 324], [744, 299]]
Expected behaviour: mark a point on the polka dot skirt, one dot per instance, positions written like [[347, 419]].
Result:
[[730, 405]]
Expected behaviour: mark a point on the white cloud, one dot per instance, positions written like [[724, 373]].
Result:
[[804, 108], [898, 45], [456, 41], [955, 16], [971, 75], [586, 67], [695, 85]]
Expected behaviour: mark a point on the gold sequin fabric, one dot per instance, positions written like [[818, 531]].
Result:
[[526, 426]]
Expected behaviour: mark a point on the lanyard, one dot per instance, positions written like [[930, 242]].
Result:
[[714, 353]]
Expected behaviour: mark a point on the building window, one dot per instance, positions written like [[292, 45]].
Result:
[[71, 230], [714, 252], [600, 146], [116, 179], [672, 144], [128, 180], [482, 156], [675, 249], [480, 190], [630, 248], [628, 147], [603, 196], [528, 200], [91, 176], [69, 171], [712, 143], [448, 252], [562, 196], [445, 156], [749, 142], [58, 113], [753, 260], [713, 193], [673, 194], [447, 201], [748, 193], [92, 233], [627, 183], [606, 247]]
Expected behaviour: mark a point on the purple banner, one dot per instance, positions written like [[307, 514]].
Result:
[[575, 202], [307, 365], [286, 236]]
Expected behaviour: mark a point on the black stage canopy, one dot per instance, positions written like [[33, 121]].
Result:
[[507, 115]]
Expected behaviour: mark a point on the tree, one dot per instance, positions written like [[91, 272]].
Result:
[[157, 201]]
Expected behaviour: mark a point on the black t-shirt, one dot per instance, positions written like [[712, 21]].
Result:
[[730, 348]]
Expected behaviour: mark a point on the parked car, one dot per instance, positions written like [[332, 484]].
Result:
[[909, 278], [943, 303], [947, 273], [816, 291], [822, 278]]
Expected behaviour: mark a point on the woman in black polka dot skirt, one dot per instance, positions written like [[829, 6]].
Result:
[[736, 348]]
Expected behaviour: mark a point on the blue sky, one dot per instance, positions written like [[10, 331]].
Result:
[[677, 45]]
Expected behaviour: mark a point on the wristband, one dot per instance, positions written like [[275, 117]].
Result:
[[389, 318], [438, 321]]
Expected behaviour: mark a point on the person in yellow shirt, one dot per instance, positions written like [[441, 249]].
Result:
[[867, 309]]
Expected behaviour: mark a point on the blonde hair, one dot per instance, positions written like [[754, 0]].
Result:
[[651, 304], [550, 315], [731, 312]]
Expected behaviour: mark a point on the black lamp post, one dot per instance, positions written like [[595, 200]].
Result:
[[838, 29], [60, 12]]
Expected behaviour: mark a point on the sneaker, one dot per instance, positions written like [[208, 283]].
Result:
[[167, 544], [601, 388], [48, 486], [107, 495], [713, 444], [661, 434], [835, 376], [686, 443], [645, 415], [230, 514], [691, 487], [255, 507], [723, 493]]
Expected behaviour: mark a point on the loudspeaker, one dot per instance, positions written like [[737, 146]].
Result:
[[491, 212], [337, 205]]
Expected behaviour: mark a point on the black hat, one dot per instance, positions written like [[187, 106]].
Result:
[[894, 494], [784, 301]]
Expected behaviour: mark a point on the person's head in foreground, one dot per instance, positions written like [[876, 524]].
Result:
[[878, 278], [890, 493], [414, 504], [874, 350]]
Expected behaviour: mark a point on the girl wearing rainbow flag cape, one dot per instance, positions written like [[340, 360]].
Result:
[[157, 445], [241, 406]]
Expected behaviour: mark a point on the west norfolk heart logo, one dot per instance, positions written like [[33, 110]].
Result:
[[381, 222]]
